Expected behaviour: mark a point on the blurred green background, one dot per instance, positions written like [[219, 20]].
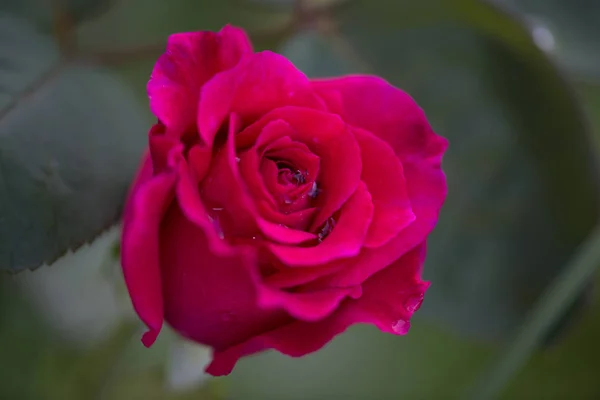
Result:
[[513, 310]]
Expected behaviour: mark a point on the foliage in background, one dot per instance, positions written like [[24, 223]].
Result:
[[507, 88]]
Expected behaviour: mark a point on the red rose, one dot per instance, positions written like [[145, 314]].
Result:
[[274, 211]]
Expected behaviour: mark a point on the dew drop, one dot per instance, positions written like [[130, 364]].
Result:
[[300, 177], [217, 208], [326, 230], [400, 327], [237, 159], [413, 303], [314, 191], [287, 199], [215, 223]]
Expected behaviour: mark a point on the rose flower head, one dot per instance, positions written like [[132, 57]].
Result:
[[273, 211]]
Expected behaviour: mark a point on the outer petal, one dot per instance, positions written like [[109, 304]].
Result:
[[308, 305], [292, 277], [148, 200], [311, 305], [190, 60], [388, 301], [384, 175], [259, 83], [211, 298], [160, 145], [373, 104]]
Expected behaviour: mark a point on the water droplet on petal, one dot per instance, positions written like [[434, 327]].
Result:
[[217, 208], [287, 199], [400, 327], [413, 303], [215, 223], [237, 159], [300, 177], [253, 237], [326, 229], [314, 191]]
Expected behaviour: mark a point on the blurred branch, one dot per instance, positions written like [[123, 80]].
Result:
[[22, 96], [550, 308], [115, 57], [303, 15], [64, 28], [328, 27]]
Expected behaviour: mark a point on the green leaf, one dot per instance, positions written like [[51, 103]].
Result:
[[70, 141], [77, 297], [43, 12], [522, 185]]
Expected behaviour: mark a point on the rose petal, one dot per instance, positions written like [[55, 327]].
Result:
[[283, 234], [299, 156], [261, 175], [269, 173], [345, 240], [328, 137], [250, 170], [296, 220], [224, 191], [192, 207], [384, 176], [199, 159], [210, 298], [392, 295], [148, 200], [190, 60], [264, 134], [388, 301], [274, 145], [259, 83], [292, 277], [308, 306], [427, 190], [373, 104], [160, 146]]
